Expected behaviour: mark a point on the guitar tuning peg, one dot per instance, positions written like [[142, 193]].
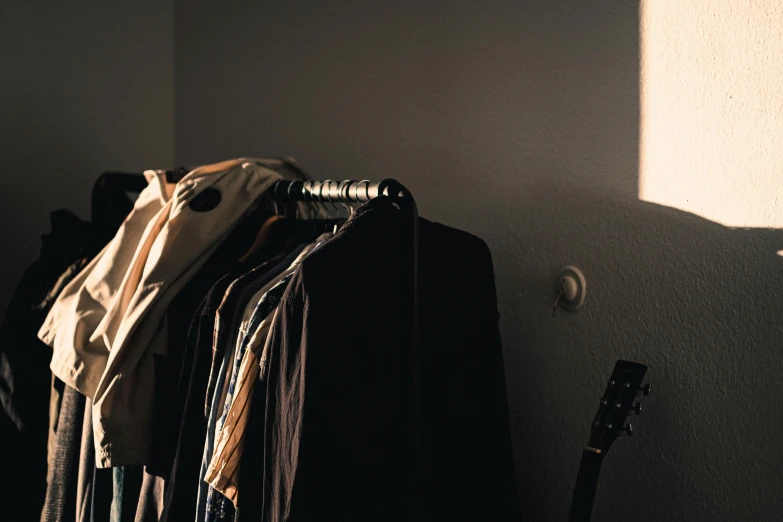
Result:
[[628, 430], [645, 390], [636, 409]]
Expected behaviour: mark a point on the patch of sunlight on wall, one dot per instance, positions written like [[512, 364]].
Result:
[[711, 122]]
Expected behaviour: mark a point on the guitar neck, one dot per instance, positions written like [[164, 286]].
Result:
[[586, 484]]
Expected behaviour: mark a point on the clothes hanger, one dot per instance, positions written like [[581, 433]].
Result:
[[342, 190], [334, 194], [316, 200], [264, 236], [330, 225]]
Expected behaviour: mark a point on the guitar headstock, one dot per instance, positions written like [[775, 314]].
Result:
[[617, 404]]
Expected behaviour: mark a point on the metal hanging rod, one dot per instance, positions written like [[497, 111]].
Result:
[[348, 191]]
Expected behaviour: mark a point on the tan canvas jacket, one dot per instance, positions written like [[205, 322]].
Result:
[[107, 323]]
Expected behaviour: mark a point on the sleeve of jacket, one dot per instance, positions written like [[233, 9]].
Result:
[[284, 405]]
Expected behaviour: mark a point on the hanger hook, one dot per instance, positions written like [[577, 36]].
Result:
[[318, 192], [274, 206], [343, 191], [291, 200], [309, 198], [271, 198], [331, 199]]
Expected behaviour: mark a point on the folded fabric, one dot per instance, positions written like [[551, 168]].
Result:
[[108, 322]]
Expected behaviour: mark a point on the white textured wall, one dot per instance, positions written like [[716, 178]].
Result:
[[84, 87], [519, 122], [712, 109]]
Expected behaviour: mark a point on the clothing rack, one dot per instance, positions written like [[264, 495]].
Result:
[[348, 192]]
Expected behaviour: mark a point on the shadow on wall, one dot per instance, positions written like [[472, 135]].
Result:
[[700, 304]]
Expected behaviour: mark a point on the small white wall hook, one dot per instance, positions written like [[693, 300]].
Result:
[[570, 289]]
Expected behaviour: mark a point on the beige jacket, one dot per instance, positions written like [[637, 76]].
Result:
[[107, 323]]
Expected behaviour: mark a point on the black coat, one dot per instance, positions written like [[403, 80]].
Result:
[[337, 420], [25, 378]]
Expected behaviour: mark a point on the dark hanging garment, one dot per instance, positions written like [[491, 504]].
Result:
[[126, 491], [182, 486], [248, 508], [58, 387], [102, 485], [85, 485], [464, 409], [113, 196], [180, 423], [336, 430], [337, 440], [25, 378], [63, 477], [26, 385], [191, 389]]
